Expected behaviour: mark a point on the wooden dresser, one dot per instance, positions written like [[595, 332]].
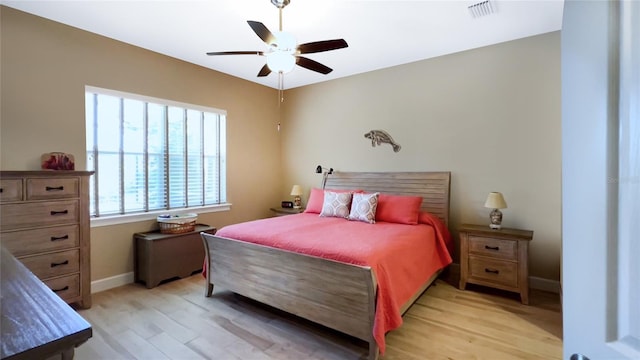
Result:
[[44, 223], [495, 258]]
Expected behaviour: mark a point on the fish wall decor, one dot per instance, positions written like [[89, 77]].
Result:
[[380, 136]]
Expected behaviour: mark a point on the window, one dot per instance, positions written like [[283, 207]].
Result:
[[152, 155]]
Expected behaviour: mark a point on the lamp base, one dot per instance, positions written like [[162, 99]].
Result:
[[297, 202], [496, 219]]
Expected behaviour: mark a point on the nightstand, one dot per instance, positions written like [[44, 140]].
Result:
[[280, 211], [495, 258]]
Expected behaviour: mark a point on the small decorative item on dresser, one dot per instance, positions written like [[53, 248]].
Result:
[[296, 191], [495, 201], [57, 161], [496, 258]]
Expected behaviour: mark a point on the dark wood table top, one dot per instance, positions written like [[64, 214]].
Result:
[[35, 322]]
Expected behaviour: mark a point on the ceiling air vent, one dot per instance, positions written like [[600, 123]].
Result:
[[480, 9]]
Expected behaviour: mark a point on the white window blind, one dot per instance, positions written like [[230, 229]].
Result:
[[151, 154]]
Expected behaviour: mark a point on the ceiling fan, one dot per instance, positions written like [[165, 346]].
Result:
[[282, 53]]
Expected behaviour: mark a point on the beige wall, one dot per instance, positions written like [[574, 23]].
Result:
[[44, 68], [491, 116]]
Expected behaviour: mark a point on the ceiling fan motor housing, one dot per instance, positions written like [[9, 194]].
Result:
[[280, 3]]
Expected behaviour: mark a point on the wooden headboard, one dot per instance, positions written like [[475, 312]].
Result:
[[434, 187]]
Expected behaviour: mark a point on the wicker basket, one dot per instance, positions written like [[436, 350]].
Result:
[[177, 224]]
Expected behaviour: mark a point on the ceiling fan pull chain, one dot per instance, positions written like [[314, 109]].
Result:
[[280, 87]]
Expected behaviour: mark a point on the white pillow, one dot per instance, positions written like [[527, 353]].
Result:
[[336, 204], [363, 207]]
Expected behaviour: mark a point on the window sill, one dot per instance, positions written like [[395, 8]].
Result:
[[152, 215]]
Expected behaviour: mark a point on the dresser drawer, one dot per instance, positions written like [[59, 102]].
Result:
[[53, 264], [67, 287], [36, 214], [495, 271], [495, 248], [52, 188], [26, 242], [10, 190]]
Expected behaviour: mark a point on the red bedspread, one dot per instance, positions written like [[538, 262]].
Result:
[[403, 257]]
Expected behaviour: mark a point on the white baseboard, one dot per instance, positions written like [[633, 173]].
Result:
[[543, 284], [111, 282]]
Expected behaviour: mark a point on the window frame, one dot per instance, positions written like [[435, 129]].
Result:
[[106, 220]]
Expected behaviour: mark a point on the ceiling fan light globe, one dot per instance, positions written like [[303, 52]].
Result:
[[279, 61]]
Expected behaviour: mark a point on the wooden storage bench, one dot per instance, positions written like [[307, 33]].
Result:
[[160, 257]]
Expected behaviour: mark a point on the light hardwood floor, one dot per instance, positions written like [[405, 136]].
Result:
[[176, 321]]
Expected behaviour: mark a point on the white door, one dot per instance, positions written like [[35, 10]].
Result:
[[601, 179]]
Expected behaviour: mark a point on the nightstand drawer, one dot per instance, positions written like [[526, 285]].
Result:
[[495, 271], [496, 248]]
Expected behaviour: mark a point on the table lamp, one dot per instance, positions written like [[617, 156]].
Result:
[[495, 201], [296, 191]]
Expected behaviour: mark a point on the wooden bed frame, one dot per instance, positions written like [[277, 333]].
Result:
[[337, 295]]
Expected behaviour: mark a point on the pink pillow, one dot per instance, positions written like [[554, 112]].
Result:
[[316, 199], [398, 209]]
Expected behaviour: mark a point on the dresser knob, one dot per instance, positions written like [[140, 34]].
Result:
[[56, 238], [54, 188], [492, 271], [59, 212], [495, 248]]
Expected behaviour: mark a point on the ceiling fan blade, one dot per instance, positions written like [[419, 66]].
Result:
[[313, 65], [264, 71], [262, 32], [319, 46], [236, 53]]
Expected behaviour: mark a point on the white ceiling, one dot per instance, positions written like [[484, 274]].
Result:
[[380, 33]]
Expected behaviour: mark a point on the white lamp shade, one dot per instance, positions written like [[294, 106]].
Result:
[[296, 190], [495, 200]]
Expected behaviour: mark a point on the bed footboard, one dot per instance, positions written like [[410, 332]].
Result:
[[337, 295]]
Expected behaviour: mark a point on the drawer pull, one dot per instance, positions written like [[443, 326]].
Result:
[[1, 190], [63, 212], [496, 248], [56, 238], [52, 188], [66, 262], [492, 271], [61, 289]]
